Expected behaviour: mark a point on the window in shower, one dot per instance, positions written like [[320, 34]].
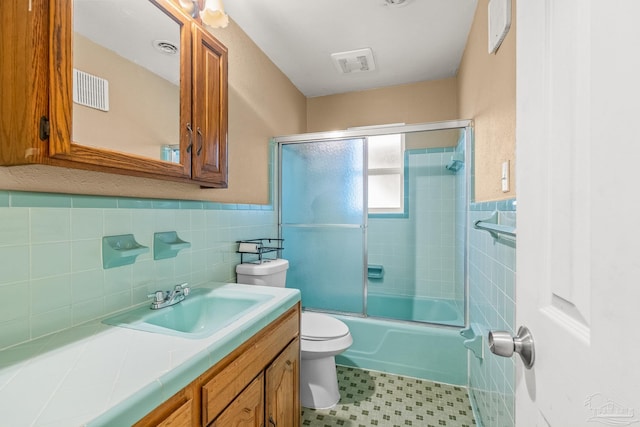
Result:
[[386, 174]]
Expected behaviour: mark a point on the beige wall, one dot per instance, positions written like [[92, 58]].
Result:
[[429, 101], [262, 103], [431, 139], [484, 90], [487, 94]]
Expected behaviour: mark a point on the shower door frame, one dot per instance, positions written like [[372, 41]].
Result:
[[365, 132]]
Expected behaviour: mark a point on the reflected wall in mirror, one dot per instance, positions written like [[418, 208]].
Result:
[[133, 46]]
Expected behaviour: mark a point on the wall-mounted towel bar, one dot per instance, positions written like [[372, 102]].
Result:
[[491, 225]]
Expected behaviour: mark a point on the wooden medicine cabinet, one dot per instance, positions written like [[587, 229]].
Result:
[[130, 87]]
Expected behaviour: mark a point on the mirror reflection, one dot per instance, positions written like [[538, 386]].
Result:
[[126, 78]]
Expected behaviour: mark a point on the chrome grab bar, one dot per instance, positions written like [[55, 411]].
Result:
[[491, 225]]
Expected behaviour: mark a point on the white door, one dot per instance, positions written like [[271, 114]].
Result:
[[578, 166]]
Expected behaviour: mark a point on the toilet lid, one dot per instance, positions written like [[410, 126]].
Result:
[[316, 326]]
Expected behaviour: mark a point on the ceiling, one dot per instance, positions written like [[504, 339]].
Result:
[[415, 41]]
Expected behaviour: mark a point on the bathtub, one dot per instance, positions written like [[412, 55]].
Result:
[[421, 351], [417, 309]]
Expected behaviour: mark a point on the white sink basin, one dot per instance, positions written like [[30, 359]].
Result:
[[203, 312]]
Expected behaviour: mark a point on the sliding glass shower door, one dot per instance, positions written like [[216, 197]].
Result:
[[323, 222]]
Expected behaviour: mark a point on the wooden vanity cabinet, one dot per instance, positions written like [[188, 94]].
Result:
[[210, 114], [247, 409], [255, 385], [282, 388], [178, 411], [36, 101]]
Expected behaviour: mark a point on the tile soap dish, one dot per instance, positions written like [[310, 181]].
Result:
[[167, 245], [120, 250], [473, 340]]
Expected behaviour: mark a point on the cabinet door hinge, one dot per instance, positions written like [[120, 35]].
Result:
[[44, 128]]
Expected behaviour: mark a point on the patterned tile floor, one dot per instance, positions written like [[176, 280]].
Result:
[[369, 398]]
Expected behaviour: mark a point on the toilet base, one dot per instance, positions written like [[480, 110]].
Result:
[[319, 383]]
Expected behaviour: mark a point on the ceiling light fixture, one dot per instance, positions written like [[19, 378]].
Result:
[[212, 14]]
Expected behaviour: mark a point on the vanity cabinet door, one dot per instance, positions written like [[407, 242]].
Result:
[[247, 410], [282, 389], [24, 86], [178, 411], [209, 109]]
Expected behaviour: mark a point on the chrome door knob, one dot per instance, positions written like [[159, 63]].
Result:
[[503, 344]]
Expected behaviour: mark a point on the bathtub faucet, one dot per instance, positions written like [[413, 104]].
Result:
[[163, 299]]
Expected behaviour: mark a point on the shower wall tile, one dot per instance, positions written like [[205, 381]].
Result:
[[492, 307], [418, 251], [51, 262]]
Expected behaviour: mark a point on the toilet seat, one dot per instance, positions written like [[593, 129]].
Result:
[[320, 327]]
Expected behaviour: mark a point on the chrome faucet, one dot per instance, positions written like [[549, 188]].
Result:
[[163, 299]]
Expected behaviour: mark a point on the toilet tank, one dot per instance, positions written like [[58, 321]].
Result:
[[271, 272]]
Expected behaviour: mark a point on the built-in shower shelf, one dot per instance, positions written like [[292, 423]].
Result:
[[375, 271], [258, 248]]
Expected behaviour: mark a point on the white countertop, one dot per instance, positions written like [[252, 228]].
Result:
[[100, 375]]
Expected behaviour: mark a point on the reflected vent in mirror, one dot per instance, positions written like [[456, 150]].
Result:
[[91, 91]]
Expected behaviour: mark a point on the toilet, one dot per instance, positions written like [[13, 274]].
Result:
[[322, 337]]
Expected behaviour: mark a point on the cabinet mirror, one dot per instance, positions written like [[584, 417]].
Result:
[[126, 78]]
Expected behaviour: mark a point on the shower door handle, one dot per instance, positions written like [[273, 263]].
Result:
[[503, 344]]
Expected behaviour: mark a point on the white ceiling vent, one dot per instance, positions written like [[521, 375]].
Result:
[[91, 91], [354, 61]]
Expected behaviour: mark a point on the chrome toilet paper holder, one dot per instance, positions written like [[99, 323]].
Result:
[[503, 344]]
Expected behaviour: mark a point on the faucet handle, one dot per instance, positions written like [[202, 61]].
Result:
[[183, 287], [158, 296]]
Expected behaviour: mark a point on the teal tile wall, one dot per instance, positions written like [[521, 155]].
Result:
[[51, 261], [418, 251], [492, 272]]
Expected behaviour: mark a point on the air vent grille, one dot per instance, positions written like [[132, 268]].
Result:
[[354, 61], [90, 90]]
